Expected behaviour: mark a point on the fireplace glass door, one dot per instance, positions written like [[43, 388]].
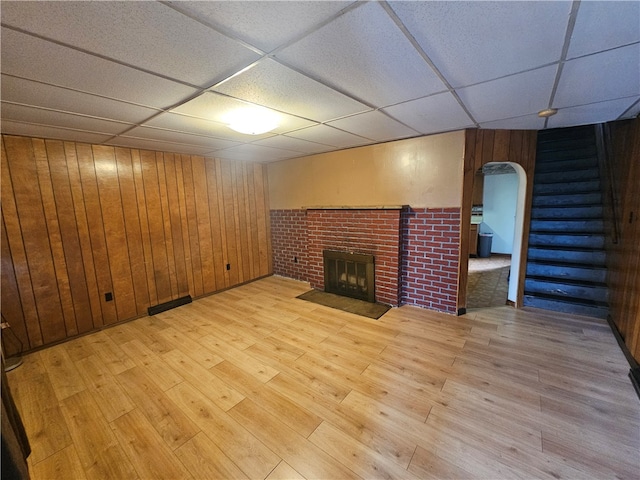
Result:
[[349, 274]]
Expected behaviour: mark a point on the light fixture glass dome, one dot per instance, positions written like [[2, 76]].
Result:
[[252, 120]]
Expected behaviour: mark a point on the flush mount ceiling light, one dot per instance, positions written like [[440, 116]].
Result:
[[547, 112], [252, 121]]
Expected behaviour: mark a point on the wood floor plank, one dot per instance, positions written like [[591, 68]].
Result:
[[111, 399], [163, 375], [255, 383], [357, 457], [215, 389], [428, 465], [297, 418], [254, 458], [64, 376], [284, 471], [46, 429], [62, 464], [170, 422], [90, 431], [204, 459], [376, 431], [146, 450], [293, 448]]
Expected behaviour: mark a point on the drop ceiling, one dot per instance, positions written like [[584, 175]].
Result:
[[338, 74]]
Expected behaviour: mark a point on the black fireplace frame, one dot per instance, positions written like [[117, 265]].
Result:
[[362, 266]]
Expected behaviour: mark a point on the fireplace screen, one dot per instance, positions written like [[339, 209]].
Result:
[[349, 274]]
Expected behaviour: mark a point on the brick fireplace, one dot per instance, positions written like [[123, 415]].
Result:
[[415, 250]]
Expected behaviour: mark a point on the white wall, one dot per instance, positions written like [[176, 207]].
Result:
[[499, 212]]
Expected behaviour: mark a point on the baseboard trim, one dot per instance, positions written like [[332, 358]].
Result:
[[163, 307], [634, 372]]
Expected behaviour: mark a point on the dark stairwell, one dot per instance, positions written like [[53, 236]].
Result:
[[566, 259]]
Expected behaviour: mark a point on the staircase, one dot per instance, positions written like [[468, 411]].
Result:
[[566, 258]]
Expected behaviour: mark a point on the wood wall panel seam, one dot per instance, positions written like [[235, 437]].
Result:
[[82, 229]]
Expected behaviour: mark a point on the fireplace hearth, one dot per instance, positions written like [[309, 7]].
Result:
[[349, 274]]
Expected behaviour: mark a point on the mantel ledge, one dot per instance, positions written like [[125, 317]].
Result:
[[361, 207]]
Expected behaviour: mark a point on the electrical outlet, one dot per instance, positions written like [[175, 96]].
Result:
[[108, 297], [228, 266], [295, 259]]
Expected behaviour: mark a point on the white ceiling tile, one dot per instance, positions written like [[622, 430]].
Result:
[[19, 90], [590, 34], [603, 76], [364, 54], [157, 146], [149, 35], [55, 118], [43, 131], [36, 59], [588, 114], [471, 42], [199, 126], [295, 144], [511, 96], [374, 125], [275, 86], [437, 113], [263, 24], [254, 153], [215, 107], [526, 122], [179, 137], [329, 136]]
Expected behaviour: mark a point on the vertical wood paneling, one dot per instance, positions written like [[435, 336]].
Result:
[[245, 260], [115, 232], [192, 222], [204, 224], [230, 226], [96, 230], [18, 259], [222, 220], [11, 307], [178, 254], [623, 257], [144, 227], [182, 222], [133, 233], [74, 275], [82, 229], [261, 184], [166, 223], [79, 221], [254, 255], [55, 238], [219, 252], [28, 199], [156, 226]]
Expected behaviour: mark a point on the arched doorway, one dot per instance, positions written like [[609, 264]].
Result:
[[516, 147], [504, 216]]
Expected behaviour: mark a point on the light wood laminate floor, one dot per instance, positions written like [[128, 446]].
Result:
[[254, 383]]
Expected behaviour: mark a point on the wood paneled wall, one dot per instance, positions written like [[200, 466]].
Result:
[[482, 147], [623, 256], [80, 221]]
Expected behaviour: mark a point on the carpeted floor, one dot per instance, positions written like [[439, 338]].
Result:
[[346, 304], [488, 283]]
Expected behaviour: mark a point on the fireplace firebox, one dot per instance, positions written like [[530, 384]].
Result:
[[349, 274]]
